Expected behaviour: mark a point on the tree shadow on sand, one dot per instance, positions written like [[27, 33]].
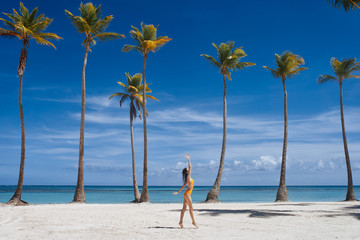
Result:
[[162, 227], [250, 212], [354, 215], [347, 211]]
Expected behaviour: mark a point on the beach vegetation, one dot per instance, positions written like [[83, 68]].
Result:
[[343, 70], [133, 91], [228, 59], [288, 66], [146, 40], [25, 25], [93, 26]]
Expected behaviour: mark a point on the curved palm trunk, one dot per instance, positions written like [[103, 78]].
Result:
[[16, 198], [350, 195], [79, 195], [282, 194], [213, 195], [136, 189], [145, 193]]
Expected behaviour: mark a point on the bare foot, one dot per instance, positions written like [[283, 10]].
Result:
[[195, 225], [181, 225]]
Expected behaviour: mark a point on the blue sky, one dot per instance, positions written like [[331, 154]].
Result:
[[188, 117]]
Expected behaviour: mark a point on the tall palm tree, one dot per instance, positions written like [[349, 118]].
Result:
[[146, 41], [288, 65], [347, 5], [343, 70], [25, 26], [228, 60], [90, 23], [133, 91]]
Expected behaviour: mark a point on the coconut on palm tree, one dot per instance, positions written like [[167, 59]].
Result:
[[343, 70], [288, 65], [133, 91], [347, 5], [25, 26], [93, 26], [228, 60], [146, 41]]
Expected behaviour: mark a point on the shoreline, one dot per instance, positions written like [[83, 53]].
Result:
[[284, 220]]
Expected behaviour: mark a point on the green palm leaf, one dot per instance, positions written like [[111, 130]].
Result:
[[133, 90], [288, 65], [27, 25], [228, 58], [91, 23], [347, 5], [342, 69], [146, 39]]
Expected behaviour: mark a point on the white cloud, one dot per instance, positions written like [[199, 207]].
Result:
[[265, 163]]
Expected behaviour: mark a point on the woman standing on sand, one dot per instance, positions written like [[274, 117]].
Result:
[[187, 195]]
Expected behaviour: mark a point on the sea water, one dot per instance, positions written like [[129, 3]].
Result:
[[163, 194]]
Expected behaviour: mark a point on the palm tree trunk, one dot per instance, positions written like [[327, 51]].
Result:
[[136, 189], [350, 195], [213, 195], [16, 198], [79, 195], [282, 194], [145, 193]]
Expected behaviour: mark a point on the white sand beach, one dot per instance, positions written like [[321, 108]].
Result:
[[330, 220]]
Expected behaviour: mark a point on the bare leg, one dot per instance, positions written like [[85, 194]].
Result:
[[182, 214], [191, 209]]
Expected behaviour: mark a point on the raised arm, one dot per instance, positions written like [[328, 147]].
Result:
[[189, 165]]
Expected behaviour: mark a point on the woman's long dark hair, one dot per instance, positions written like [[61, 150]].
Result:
[[185, 174]]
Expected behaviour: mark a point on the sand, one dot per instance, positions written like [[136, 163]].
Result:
[[330, 220]]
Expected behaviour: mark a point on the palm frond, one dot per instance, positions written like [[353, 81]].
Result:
[[27, 26], [123, 98], [90, 23], [48, 36], [242, 65], [128, 48], [43, 41], [132, 89], [146, 40], [148, 31], [274, 72], [136, 80], [288, 65], [211, 60], [122, 84], [6, 33], [33, 15], [296, 71], [117, 95], [347, 5], [326, 78], [151, 97], [353, 76], [109, 36]]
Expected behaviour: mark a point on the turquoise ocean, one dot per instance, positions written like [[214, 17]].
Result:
[[163, 194]]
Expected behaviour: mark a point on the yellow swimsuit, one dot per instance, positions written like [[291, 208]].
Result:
[[189, 191]]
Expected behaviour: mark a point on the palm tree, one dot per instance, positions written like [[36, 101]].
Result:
[[25, 26], [228, 60], [133, 91], [288, 65], [343, 70], [90, 23], [347, 5], [146, 41]]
